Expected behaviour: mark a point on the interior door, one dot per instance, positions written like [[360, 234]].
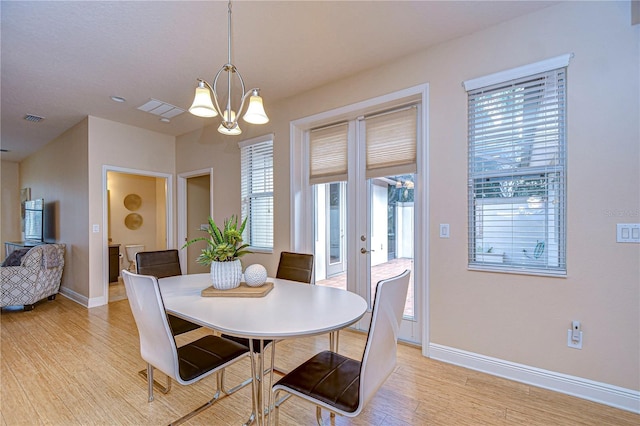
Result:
[[198, 202]]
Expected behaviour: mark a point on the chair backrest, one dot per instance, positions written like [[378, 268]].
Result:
[[160, 264], [157, 345], [295, 267], [379, 357]]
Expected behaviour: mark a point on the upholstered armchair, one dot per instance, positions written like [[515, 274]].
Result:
[[38, 276]]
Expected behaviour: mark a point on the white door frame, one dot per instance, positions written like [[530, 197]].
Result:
[[182, 207], [338, 267], [168, 177], [301, 200]]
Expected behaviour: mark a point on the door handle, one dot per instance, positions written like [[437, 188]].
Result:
[[365, 251]]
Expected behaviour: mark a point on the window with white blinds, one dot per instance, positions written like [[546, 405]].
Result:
[[391, 142], [328, 154], [256, 162], [517, 174]]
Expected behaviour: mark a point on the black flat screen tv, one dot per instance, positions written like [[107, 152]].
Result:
[[34, 220]]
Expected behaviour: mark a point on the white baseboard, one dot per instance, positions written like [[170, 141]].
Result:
[[82, 300], [614, 396], [76, 297]]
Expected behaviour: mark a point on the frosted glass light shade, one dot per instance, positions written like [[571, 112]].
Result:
[[202, 105], [230, 132], [255, 112], [233, 131]]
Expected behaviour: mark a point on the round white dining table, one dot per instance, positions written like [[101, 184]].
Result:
[[291, 309]]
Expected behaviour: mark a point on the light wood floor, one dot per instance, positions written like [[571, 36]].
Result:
[[63, 364]]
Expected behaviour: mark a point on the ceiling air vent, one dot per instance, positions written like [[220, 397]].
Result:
[[33, 118], [161, 108]]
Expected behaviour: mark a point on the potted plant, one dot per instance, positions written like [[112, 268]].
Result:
[[223, 251]]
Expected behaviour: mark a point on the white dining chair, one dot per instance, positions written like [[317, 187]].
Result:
[[186, 364], [344, 385], [162, 264]]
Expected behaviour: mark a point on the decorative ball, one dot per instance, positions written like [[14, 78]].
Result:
[[255, 275]]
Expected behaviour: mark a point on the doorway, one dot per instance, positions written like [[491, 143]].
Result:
[[137, 213], [384, 191], [195, 205]]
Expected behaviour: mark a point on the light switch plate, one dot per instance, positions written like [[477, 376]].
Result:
[[444, 230], [628, 233]]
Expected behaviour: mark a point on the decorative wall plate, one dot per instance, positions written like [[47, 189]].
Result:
[[133, 221], [132, 202]]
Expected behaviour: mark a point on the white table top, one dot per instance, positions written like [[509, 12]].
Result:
[[291, 309]]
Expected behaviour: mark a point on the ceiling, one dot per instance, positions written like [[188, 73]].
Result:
[[63, 60]]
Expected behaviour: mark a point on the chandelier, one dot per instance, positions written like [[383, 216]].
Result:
[[206, 105]]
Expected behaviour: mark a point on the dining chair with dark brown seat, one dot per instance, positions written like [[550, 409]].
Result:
[[186, 364], [293, 267], [299, 267], [161, 264], [344, 385]]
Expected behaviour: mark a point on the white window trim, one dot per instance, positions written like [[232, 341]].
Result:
[[518, 72], [256, 140]]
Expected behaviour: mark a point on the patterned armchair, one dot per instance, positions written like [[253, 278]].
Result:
[[37, 277]]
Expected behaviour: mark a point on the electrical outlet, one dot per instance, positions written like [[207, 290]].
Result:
[[574, 336], [628, 233]]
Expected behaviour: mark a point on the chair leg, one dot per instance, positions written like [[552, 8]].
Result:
[[217, 396], [279, 371], [276, 410], [319, 416], [200, 409], [150, 381], [164, 389], [235, 388]]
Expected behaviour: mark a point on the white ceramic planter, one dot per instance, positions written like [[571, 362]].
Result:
[[226, 275]]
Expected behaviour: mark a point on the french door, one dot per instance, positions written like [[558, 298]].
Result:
[[365, 224], [336, 213]]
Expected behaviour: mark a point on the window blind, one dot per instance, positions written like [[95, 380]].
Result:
[[517, 169], [256, 187], [391, 142], [328, 154]]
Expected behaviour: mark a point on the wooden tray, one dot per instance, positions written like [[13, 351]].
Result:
[[243, 291]]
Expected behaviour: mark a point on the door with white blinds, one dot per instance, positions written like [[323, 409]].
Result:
[[374, 159]]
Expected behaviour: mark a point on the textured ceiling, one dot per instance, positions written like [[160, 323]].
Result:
[[63, 60]]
